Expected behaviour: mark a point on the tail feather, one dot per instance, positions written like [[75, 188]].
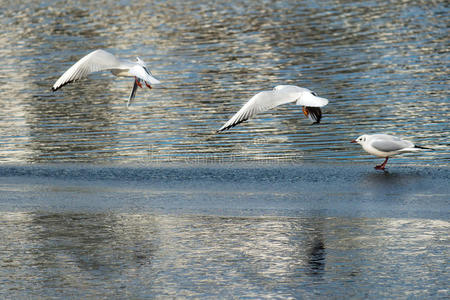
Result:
[[414, 149]]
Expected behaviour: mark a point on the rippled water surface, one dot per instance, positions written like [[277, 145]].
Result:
[[143, 256], [382, 64], [253, 232], [98, 200]]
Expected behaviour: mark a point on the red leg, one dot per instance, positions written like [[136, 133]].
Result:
[[383, 165], [148, 85], [138, 82]]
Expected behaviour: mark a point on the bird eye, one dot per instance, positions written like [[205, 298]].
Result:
[[314, 93]]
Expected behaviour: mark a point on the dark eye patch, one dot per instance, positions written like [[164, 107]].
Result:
[[314, 93]]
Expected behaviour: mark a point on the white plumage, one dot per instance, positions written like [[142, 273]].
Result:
[[101, 60], [281, 94], [385, 145]]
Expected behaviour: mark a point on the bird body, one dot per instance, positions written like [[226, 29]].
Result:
[[281, 94], [101, 60], [385, 145]]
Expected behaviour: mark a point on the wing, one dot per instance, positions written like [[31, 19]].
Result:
[[142, 73], [133, 93], [303, 96], [391, 144], [97, 60], [260, 102], [313, 113]]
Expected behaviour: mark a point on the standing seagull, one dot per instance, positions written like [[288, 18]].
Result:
[[385, 145], [101, 60], [280, 94]]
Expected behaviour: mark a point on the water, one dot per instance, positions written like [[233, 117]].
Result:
[[99, 200], [383, 65], [210, 231]]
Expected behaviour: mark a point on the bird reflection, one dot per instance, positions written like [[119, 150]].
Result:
[[316, 257], [90, 242]]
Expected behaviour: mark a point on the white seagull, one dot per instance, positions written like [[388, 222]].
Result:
[[280, 94], [101, 60], [385, 145]]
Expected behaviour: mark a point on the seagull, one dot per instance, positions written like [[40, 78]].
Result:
[[385, 145], [280, 94], [101, 60]]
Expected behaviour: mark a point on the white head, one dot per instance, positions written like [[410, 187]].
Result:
[[141, 62], [361, 140]]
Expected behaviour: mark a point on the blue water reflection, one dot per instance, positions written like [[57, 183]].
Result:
[[383, 65], [147, 256]]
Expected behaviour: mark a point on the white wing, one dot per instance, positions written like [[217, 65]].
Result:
[[260, 102], [390, 143], [143, 74], [97, 60], [303, 96], [269, 99]]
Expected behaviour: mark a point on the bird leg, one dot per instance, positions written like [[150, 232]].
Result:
[[138, 82], [148, 85], [382, 166]]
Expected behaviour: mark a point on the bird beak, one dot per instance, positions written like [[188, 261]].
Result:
[[353, 142]]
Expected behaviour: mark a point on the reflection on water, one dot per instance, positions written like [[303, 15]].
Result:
[[380, 64], [87, 255]]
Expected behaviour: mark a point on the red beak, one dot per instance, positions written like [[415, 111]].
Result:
[[353, 142]]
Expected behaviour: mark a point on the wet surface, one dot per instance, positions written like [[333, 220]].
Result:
[[236, 189], [98, 200], [223, 231]]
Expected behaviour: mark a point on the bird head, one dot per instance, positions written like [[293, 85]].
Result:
[[141, 62], [360, 140]]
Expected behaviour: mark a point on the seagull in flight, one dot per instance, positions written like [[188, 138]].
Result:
[[101, 60], [385, 145], [280, 94]]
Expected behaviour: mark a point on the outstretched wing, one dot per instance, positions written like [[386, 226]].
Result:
[[260, 102], [97, 60]]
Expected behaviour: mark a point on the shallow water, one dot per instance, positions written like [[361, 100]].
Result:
[[98, 200], [382, 64], [141, 255], [214, 231]]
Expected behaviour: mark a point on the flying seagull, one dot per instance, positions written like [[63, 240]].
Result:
[[101, 60], [280, 94], [385, 145]]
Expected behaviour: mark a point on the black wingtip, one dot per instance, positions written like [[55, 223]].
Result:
[[313, 113], [421, 147], [221, 130], [231, 126], [65, 83]]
